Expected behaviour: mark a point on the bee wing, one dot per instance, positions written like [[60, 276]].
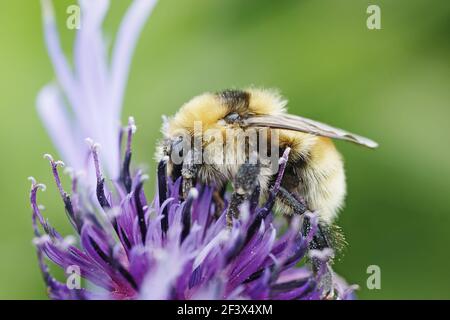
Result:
[[297, 123]]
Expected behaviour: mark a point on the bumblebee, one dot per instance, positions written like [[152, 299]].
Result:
[[206, 141]]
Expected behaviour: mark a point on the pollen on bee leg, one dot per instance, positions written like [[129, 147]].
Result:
[[311, 221], [323, 255]]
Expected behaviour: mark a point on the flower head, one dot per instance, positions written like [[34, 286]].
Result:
[[86, 100], [125, 252]]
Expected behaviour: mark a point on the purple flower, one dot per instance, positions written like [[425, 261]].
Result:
[[87, 99], [128, 245], [123, 252]]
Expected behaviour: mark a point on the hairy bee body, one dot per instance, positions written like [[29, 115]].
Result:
[[315, 168], [218, 138], [317, 174]]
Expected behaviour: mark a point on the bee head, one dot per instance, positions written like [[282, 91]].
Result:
[[223, 109], [237, 104], [242, 104]]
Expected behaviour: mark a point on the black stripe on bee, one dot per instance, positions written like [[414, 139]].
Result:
[[235, 100]]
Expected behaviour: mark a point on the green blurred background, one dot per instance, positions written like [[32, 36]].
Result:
[[392, 85]]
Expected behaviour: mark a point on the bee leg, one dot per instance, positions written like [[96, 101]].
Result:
[[245, 182], [233, 209], [298, 206], [189, 171], [326, 282], [320, 241], [322, 265]]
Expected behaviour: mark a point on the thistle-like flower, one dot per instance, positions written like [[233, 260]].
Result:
[[128, 245], [125, 254], [87, 99]]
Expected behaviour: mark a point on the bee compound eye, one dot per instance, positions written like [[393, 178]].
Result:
[[232, 117]]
